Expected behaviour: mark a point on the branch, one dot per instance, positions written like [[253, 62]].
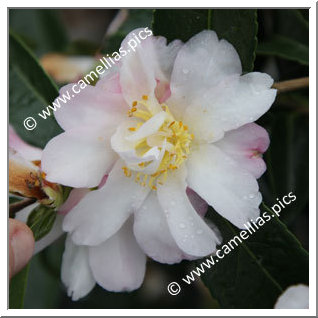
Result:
[[17, 206], [291, 85]]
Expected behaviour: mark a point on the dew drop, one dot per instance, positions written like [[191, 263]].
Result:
[[185, 71], [182, 225], [199, 231], [251, 196]]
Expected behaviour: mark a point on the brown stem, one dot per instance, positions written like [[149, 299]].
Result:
[[17, 206], [291, 85]]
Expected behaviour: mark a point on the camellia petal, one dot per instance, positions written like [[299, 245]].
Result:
[[188, 229], [76, 273], [91, 107], [153, 235], [209, 94], [197, 202], [25, 150], [118, 264], [294, 297], [229, 189], [150, 60], [78, 157], [113, 203], [246, 145]]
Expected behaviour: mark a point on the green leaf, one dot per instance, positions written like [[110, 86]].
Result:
[[287, 161], [40, 28], [259, 269], [285, 48], [17, 288], [30, 91], [180, 24], [41, 221], [239, 27]]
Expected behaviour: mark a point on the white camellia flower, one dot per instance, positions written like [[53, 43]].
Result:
[[294, 297], [172, 125]]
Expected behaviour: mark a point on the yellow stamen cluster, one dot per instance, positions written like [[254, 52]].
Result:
[[174, 133]]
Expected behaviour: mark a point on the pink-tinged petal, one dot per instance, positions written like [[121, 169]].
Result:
[[78, 158], [118, 264], [102, 183], [218, 179], [110, 82], [73, 199], [162, 91], [150, 60], [102, 212], [75, 272], [91, 107], [188, 229], [197, 202], [246, 146], [27, 151], [153, 235]]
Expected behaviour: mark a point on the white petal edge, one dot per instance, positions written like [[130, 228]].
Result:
[[294, 297], [78, 158], [153, 235], [189, 230], [102, 212], [118, 264], [229, 189], [76, 273]]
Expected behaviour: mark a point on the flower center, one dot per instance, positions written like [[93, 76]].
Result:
[[170, 138]]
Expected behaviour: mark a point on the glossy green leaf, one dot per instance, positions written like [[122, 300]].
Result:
[[30, 91], [17, 289], [180, 24], [41, 221], [287, 160], [259, 269], [40, 28], [285, 48], [239, 27]]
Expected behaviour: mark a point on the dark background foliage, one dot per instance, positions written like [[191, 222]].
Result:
[[272, 41]]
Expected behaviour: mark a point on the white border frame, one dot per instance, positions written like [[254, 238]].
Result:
[[312, 165]]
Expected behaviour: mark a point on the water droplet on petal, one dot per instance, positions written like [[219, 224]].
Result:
[[185, 71], [199, 231], [182, 225], [251, 196]]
